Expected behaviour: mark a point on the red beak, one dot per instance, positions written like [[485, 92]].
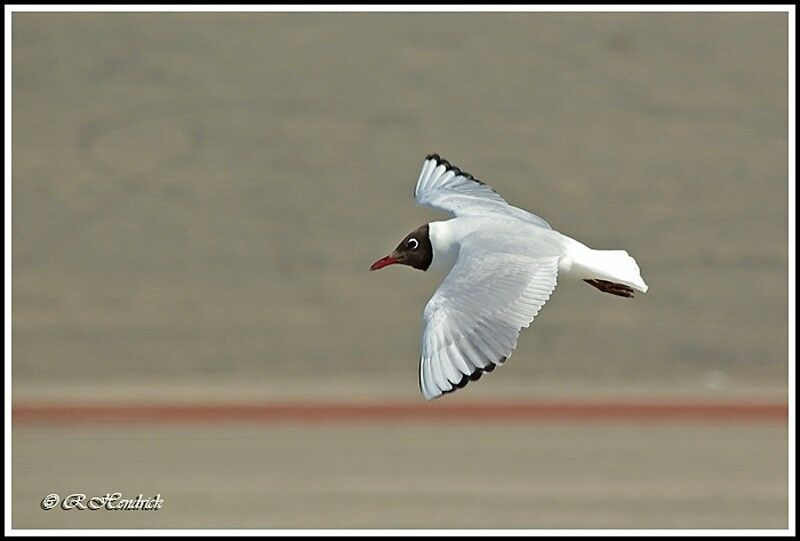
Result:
[[384, 262]]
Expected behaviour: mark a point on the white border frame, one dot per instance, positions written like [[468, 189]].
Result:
[[789, 9]]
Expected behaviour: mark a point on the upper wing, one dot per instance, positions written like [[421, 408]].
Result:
[[472, 322], [443, 186]]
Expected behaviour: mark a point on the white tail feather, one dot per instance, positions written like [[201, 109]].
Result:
[[611, 265]]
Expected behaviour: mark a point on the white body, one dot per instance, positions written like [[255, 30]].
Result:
[[502, 265], [576, 260]]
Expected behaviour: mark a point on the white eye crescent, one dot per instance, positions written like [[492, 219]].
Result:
[[414, 243]]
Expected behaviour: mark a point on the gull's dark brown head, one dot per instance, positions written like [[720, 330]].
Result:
[[415, 251]]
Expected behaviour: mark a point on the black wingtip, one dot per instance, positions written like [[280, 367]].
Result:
[[475, 376], [441, 161], [450, 167]]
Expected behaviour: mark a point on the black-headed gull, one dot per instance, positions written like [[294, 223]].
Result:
[[501, 263]]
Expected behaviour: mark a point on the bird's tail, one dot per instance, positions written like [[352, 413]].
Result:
[[606, 267]]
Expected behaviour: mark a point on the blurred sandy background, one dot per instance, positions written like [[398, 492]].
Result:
[[197, 199]]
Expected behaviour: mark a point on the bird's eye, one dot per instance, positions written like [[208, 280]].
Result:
[[413, 243]]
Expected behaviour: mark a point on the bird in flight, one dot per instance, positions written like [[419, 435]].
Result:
[[501, 265]]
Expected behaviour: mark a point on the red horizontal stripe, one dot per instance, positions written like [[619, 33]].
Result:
[[399, 413]]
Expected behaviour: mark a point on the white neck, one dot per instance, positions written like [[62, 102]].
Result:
[[445, 246]]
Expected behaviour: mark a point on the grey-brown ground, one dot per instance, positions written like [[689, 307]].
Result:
[[503, 477]]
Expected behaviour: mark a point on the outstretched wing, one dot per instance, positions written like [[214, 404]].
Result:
[[443, 186], [473, 321]]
